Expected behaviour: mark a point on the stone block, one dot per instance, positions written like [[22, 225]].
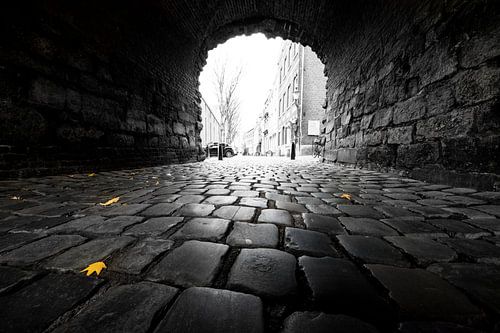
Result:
[[476, 85], [400, 135], [412, 109], [457, 123], [47, 93], [417, 155], [382, 117]]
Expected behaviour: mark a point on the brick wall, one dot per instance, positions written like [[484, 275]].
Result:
[[412, 85]]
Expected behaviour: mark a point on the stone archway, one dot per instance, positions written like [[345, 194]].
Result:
[[412, 85]]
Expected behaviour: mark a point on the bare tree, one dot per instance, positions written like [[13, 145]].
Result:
[[226, 88]]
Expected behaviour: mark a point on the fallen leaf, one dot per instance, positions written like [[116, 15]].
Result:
[[96, 267], [91, 174], [157, 183], [346, 196], [110, 201], [15, 197]]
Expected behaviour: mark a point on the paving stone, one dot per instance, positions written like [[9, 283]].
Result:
[[489, 209], [14, 240], [479, 280], [298, 241], [245, 194], [196, 264], [41, 226], [456, 228], [275, 216], [434, 202], [319, 322], [140, 255], [468, 212], [327, 224], [17, 222], [372, 250], [479, 250], [81, 256], [210, 229], [425, 251], [214, 310], [120, 210], [220, 200], [291, 207], [253, 235], [11, 277], [44, 300], [488, 195], [360, 211], [113, 226], [366, 226], [254, 202], [492, 225], [218, 191], [196, 210], [402, 196], [78, 225], [190, 198], [434, 327], [465, 201], [161, 209], [265, 272], [338, 279], [278, 197], [431, 212], [309, 201], [423, 295], [125, 308], [414, 228], [40, 249], [401, 203], [154, 226], [235, 213], [399, 212], [323, 209]]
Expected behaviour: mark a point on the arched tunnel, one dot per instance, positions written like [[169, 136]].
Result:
[[100, 118], [412, 85]]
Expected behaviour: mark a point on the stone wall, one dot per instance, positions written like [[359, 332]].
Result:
[[413, 84], [419, 92]]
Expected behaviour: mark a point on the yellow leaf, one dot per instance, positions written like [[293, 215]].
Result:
[[96, 267], [157, 183], [91, 174], [346, 196], [110, 201], [15, 197]]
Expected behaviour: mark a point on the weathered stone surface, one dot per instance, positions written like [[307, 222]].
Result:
[[190, 198], [414, 228], [235, 213], [372, 250], [481, 281], [245, 194], [278, 197], [209, 229], [195, 262], [438, 327], [125, 308], [323, 209], [318, 322], [41, 249], [78, 225], [214, 310], [366, 226], [360, 211], [253, 235], [221, 200], [51, 296], [490, 224], [308, 242], [291, 207], [196, 210], [423, 295], [275, 216], [425, 251], [397, 212], [490, 209], [81, 256], [338, 279], [10, 277], [154, 226], [161, 209], [323, 223], [121, 210], [113, 226], [457, 228], [140, 255], [254, 202], [265, 272], [12, 241], [480, 250]]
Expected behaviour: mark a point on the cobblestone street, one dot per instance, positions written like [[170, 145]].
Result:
[[249, 244]]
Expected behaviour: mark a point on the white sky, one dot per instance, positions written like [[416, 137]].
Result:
[[258, 56]]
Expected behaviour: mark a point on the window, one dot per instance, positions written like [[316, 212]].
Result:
[[281, 74], [283, 107], [289, 55], [284, 67], [288, 95], [295, 83], [279, 108], [279, 142]]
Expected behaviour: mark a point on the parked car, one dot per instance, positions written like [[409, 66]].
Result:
[[213, 149]]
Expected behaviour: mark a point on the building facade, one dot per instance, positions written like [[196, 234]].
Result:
[[212, 129], [293, 109]]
